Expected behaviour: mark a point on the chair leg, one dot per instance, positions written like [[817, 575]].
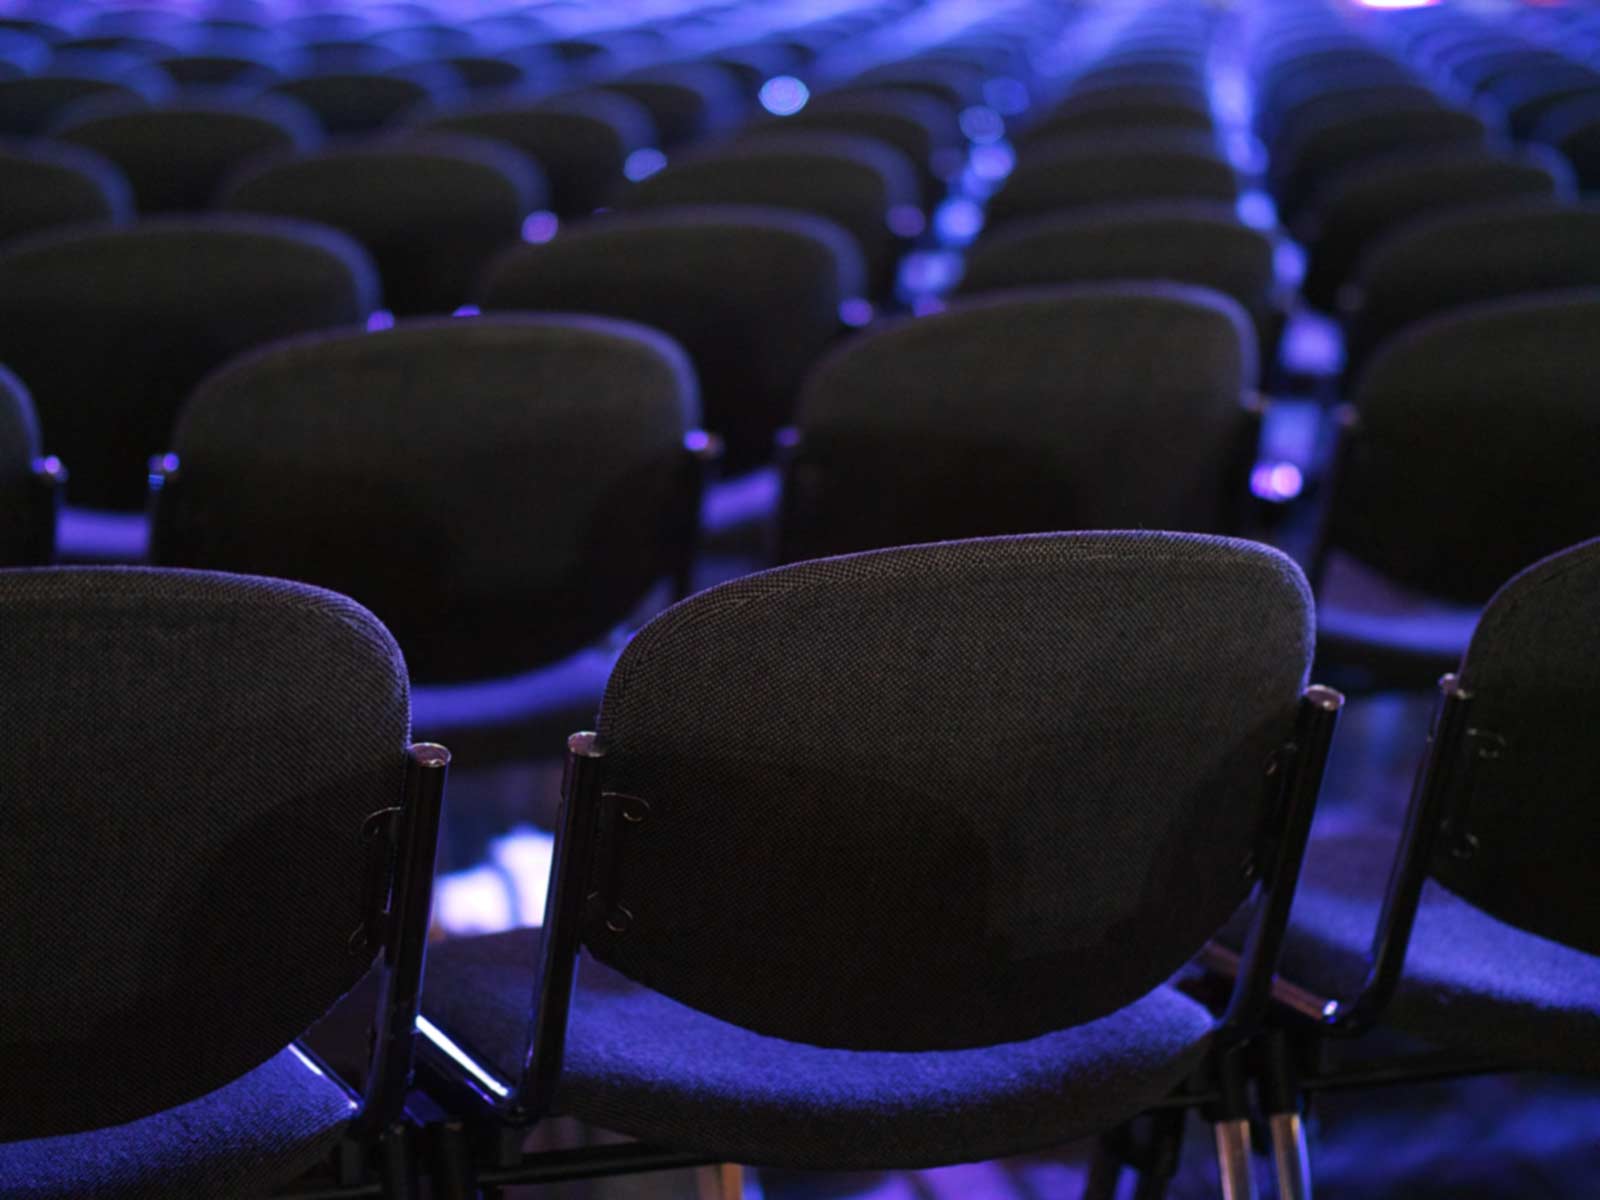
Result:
[[1281, 1102], [1230, 1122], [1105, 1166], [452, 1174], [397, 1165], [1160, 1161], [725, 1181]]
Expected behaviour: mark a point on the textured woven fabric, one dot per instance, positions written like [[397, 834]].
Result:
[[351, 101], [1469, 981], [1305, 106], [1479, 253], [111, 328], [1109, 406], [582, 140], [1125, 109], [687, 101], [263, 1129], [430, 208], [752, 334], [1474, 455], [188, 765], [500, 491], [1357, 209], [1186, 242], [641, 1064], [50, 184], [1324, 151], [851, 181], [1080, 171], [941, 797], [29, 105], [177, 156], [22, 500], [1534, 671]]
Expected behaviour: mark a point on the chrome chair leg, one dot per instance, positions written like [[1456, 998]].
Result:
[[1289, 1154], [1280, 1102], [1234, 1169]]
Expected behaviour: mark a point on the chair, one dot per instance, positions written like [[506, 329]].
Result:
[[875, 858], [1383, 194], [177, 156], [752, 333], [1573, 128], [859, 184], [239, 791], [583, 140], [353, 101], [1109, 406], [1325, 151], [1465, 457], [111, 327], [502, 492], [1464, 256], [30, 485], [29, 105], [238, 73], [48, 183], [687, 101], [1077, 172], [1471, 925], [1133, 109], [430, 208], [1184, 241]]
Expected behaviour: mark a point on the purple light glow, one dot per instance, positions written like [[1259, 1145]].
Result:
[[467, 310], [926, 306], [696, 441], [982, 124], [958, 221], [1278, 482], [1255, 209], [1007, 97], [856, 312], [380, 320], [642, 164], [994, 162], [906, 220], [784, 95], [540, 227]]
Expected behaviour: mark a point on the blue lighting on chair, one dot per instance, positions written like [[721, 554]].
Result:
[[982, 124], [380, 320], [993, 162], [1008, 97], [856, 312], [784, 95], [906, 220], [460, 1057], [642, 164], [1278, 482], [467, 310], [540, 227], [957, 221], [1255, 209]]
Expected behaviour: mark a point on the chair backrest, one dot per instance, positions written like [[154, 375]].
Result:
[[1077, 172], [29, 105], [500, 491], [1380, 196], [51, 183], [431, 209], [189, 765], [111, 327], [27, 517], [360, 102], [1109, 406], [944, 796], [1474, 454], [177, 156], [234, 71], [854, 182], [687, 101], [1522, 821], [1465, 256], [582, 140], [1134, 109], [1574, 129], [752, 334], [1187, 242]]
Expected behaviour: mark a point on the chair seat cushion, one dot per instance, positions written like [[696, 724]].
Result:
[[244, 1139], [641, 1064], [1470, 981]]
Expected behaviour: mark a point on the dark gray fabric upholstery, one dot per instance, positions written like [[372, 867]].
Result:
[[48, 183], [265, 1128], [1187, 242], [752, 333], [687, 101], [582, 140], [28, 106], [1304, 110], [1125, 109], [1079, 171], [500, 491], [1435, 263], [1573, 128], [22, 500], [1109, 406], [177, 156], [1474, 456], [1533, 668], [110, 328], [188, 765], [430, 208], [1381, 195], [642, 1064], [234, 71], [1469, 981], [355, 101], [1324, 151], [852, 181], [940, 797]]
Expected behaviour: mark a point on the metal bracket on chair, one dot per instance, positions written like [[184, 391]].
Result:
[[1479, 747], [620, 814], [378, 835]]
